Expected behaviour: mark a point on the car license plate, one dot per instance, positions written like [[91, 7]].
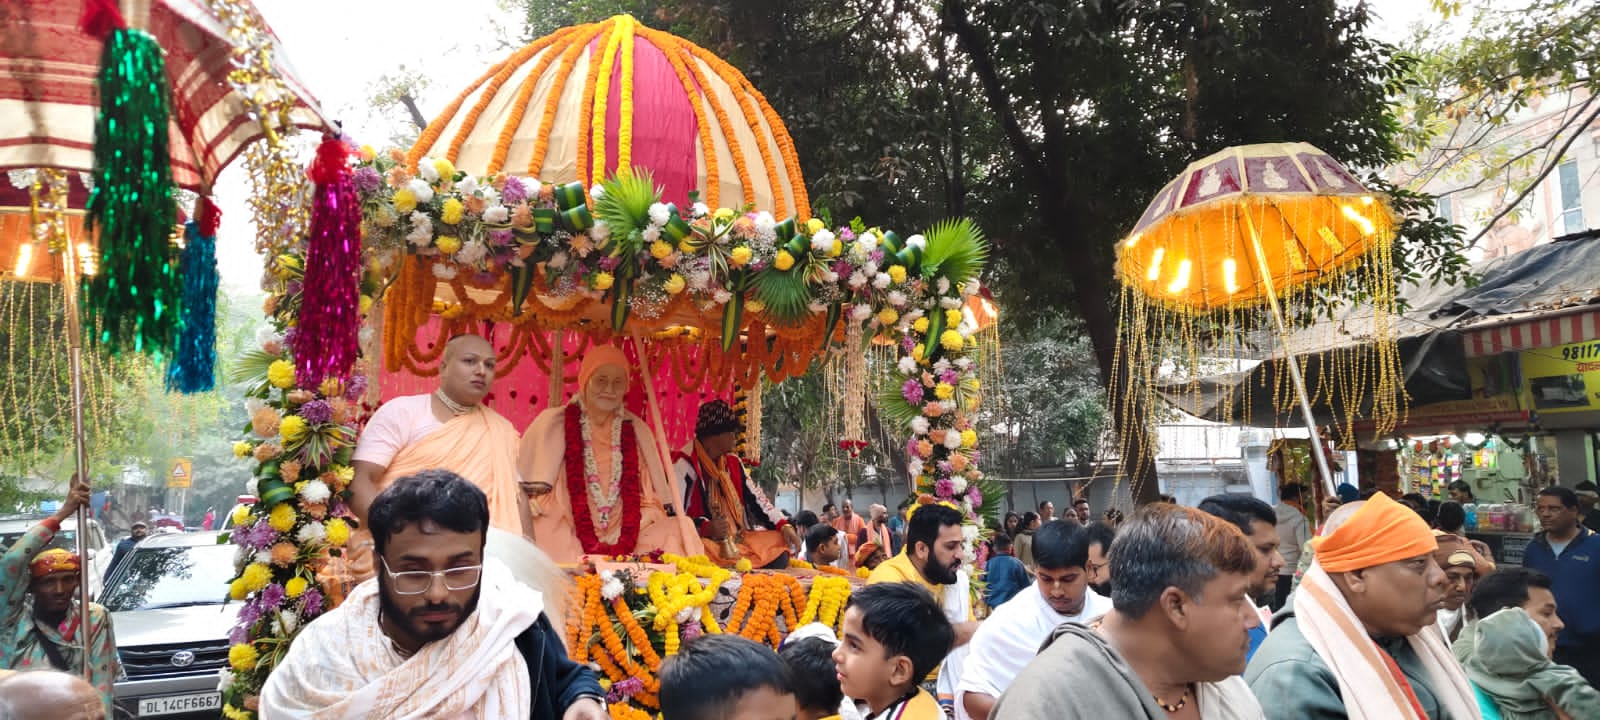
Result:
[[173, 704]]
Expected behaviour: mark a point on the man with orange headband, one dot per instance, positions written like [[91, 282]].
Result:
[[42, 627], [1358, 638], [608, 492], [450, 429]]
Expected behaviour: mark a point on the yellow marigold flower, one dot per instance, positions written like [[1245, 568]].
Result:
[[255, 577], [888, 316], [783, 261], [969, 438], [447, 171], [952, 317], [837, 249], [602, 281], [897, 273], [338, 532], [863, 573], [944, 391], [451, 211], [743, 565], [448, 244], [237, 590], [293, 428], [919, 353], [295, 587], [952, 340], [921, 325], [281, 374], [405, 201], [242, 449], [281, 518], [815, 225], [741, 255], [724, 214], [660, 249], [346, 473], [243, 657], [241, 515], [366, 304], [674, 284]]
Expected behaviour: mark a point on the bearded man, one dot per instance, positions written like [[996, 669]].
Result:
[[42, 617], [441, 632], [729, 509], [1359, 638]]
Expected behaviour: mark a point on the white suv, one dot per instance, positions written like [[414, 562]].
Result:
[[13, 527]]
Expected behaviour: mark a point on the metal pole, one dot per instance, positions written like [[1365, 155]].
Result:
[[69, 285], [1294, 363]]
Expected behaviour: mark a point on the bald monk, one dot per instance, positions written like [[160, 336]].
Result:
[[598, 471], [48, 695], [1358, 638], [449, 428]]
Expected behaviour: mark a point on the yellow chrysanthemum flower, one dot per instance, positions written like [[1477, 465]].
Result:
[[952, 340], [241, 515], [281, 374], [952, 317], [741, 255], [674, 284], [451, 211], [815, 225], [345, 473], [243, 657], [448, 244], [944, 391], [743, 565], [338, 532], [293, 429], [237, 590], [888, 316], [686, 245], [919, 353], [783, 261], [725, 213], [242, 449], [295, 587], [921, 325], [447, 171], [897, 273], [969, 438], [405, 201], [255, 577], [281, 518], [602, 281], [660, 249], [837, 249]]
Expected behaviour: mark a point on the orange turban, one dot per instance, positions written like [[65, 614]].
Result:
[[53, 560], [598, 357], [1381, 531], [866, 551]]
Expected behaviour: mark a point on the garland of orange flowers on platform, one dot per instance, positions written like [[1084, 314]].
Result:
[[431, 133]]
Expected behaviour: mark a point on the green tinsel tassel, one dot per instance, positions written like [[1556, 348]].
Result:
[[134, 297]]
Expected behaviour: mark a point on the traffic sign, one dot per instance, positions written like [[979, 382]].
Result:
[[181, 472]]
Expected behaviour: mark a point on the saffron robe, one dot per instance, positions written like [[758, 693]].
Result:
[[760, 525]]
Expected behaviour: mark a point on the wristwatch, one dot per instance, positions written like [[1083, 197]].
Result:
[[604, 706]]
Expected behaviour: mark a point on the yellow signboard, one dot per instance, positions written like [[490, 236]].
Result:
[[180, 472], [1562, 379]]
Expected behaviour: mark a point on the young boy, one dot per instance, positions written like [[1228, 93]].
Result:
[[725, 677], [813, 677], [822, 545], [894, 635]]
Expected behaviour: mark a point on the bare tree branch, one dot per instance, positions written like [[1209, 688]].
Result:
[[1543, 173]]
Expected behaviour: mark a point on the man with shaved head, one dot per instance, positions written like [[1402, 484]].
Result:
[[48, 695], [450, 429], [1358, 637]]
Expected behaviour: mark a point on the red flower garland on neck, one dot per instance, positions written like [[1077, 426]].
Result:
[[578, 488]]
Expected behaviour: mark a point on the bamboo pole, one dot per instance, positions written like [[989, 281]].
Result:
[[80, 455]]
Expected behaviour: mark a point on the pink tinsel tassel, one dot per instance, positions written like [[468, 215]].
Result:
[[325, 341]]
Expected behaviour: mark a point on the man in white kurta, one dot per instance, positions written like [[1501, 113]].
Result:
[[1011, 636]]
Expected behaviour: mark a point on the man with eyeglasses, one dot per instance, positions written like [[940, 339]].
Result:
[[441, 632], [1008, 640]]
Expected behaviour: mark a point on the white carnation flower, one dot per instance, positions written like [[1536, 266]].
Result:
[[496, 214], [467, 186], [444, 272], [959, 483], [766, 224], [869, 267], [600, 233], [880, 281], [421, 230], [315, 491], [829, 276], [722, 296], [914, 467], [290, 620], [659, 214], [822, 241], [427, 170], [421, 189], [941, 366], [943, 285], [611, 586], [471, 252], [964, 364], [311, 532], [699, 280], [651, 234], [908, 365], [700, 210], [917, 241], [224, 680], [919, 424], [858, 279], [866, 243], [597, 192], [950, 303], [952, 440], [860, 311], [264, 557], [897, 298]]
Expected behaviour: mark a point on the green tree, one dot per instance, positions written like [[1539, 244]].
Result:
[[1050, 411]]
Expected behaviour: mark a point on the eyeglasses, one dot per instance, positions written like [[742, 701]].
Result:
[[417, 582]]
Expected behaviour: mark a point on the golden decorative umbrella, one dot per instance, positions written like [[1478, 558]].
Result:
[[1263, 228]]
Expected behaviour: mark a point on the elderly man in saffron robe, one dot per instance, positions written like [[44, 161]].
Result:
[[42, 629], [449, 429], [734, 517], [605, 491]]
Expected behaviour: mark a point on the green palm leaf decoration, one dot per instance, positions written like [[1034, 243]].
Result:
[[624, 206], [893, 410], [956, 250], [786, 294], [251, 368]]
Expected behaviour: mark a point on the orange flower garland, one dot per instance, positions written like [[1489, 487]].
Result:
[[669, 47], [734, 148], [625, 112], [736, 81], [502, 144], [541, 141], [507, 69], [602, 98]]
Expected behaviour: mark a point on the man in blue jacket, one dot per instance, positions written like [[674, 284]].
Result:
[[1570, 554]]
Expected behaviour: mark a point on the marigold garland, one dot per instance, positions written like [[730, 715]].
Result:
[[602, 97], [569, 57], [625, 111], [734, 148], [751, 117], [502, 144], [670, 47]]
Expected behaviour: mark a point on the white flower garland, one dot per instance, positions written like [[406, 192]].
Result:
[[602, 504]]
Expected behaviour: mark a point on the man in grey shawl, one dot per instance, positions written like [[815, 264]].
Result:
[[1173, 644], [1513, 673]]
